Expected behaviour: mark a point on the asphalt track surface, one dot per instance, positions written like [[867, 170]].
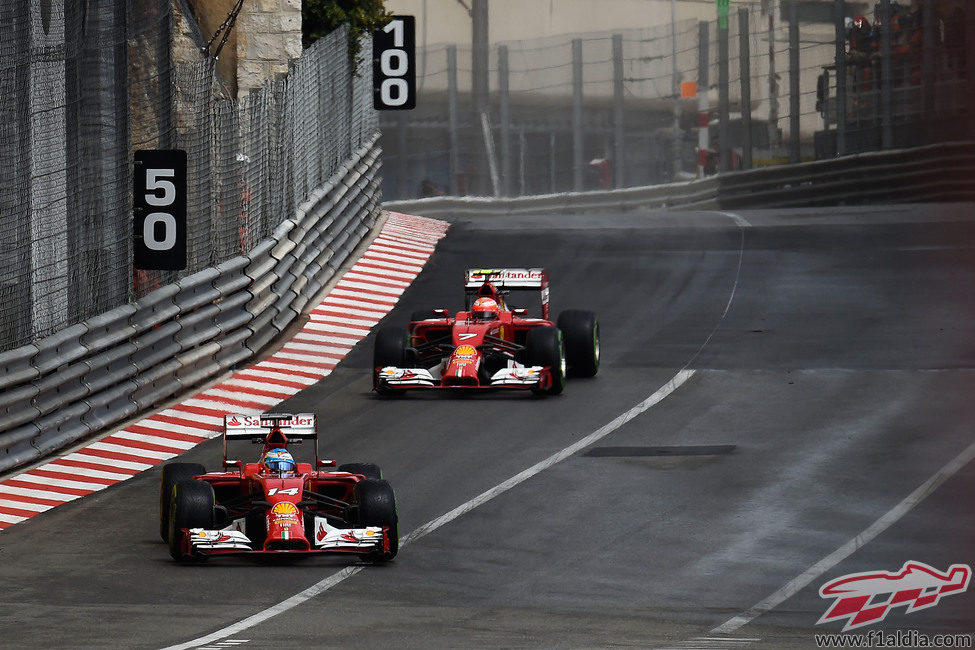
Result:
[[830, 353]]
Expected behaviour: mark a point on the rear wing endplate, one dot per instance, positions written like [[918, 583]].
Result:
[[508, 279]]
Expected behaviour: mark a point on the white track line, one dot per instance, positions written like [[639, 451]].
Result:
[[798, 583], [446, 518]]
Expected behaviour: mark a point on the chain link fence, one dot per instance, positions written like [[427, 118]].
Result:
[[608, 110], [84, 83]]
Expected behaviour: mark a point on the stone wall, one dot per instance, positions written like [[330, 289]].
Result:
[[268, 38]]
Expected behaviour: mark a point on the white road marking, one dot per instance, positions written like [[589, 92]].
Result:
[[798, 583], [444, 519]]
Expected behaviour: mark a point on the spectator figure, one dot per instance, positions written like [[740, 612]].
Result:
[[858, 57]]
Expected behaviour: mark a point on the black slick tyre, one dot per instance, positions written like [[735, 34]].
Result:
[[191, 506], [367, 470], [390, 350], [376, 506], [172, 474], [580, 331], [543, 347]]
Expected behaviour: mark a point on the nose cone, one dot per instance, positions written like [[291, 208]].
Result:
[[462, 367]]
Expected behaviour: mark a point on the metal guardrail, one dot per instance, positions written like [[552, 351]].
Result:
[[95, 374], [943, 172]]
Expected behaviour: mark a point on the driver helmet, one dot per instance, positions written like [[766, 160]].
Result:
[[861, 22], [485, 309], [279, 461]]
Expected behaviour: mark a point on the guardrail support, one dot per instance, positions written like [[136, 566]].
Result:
[[839, 16], [744, 58], [505, 116], [452, 119], [795, 152], [578, 136], [618, 116]]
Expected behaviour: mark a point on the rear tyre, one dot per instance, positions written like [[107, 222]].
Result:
[[191, 506], [390, 350], [377, 507], [172, 474], [543, 347], [580, 330], [367, 470]]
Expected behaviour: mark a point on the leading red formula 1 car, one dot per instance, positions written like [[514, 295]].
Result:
[[277, 505], [490, 344]]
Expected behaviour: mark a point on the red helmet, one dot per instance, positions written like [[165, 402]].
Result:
[[860, 22], [485, 309]]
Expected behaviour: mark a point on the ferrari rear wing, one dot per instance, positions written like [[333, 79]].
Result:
[[259, 428], [506, 279]]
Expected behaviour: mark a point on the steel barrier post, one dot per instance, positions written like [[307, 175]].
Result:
[[795, 153], [745, 68], [505, 116], [618, 116], [578, 178], [452, 119]]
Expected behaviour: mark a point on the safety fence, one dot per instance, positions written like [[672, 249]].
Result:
[[926, 174], [99, 372], [625, 109], [83, 84]]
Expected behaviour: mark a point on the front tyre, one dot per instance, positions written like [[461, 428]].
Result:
[[191, 506], [580, 330], [390, 350], [376, 506], [543, 347], [172, 474]]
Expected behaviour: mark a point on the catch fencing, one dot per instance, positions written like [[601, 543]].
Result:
[[607, 110], [936, 173], [283, 185], [82, 85]]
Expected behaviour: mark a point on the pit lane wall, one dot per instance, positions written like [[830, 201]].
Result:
[[937, 173], [108, 368]]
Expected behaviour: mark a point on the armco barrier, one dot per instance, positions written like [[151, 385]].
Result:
[[941, 172], [95, 374]]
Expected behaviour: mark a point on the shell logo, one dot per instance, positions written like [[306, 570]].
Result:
[[465, 351], [284, 508]]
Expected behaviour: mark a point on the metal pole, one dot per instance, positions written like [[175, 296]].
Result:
[[970, 67], [402, 162], [795, 154], [928, 70], [839, 16], [452, 118], [744, 58], [578, 178], [505, 120], [479, 54], [773, 84], [551, 162], [703, 99], [886, 90], [522, 155], [724, 130], [619, 150], [675, 89]]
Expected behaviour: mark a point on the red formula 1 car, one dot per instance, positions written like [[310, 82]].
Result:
[[490, 344], [277, 505]]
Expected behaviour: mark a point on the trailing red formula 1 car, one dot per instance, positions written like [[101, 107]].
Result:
[[488, 345], [277, 506]]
